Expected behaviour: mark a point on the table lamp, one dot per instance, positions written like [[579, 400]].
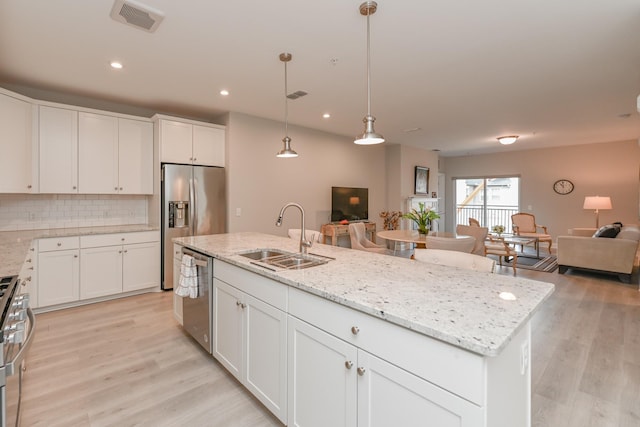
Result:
[[597, 203]]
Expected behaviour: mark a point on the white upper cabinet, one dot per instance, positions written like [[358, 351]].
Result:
[[58, 148], [97, 153], [135, 157], [115, 155], [16, 142], [190, 143]]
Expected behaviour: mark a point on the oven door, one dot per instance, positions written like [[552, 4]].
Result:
[[11, 392]]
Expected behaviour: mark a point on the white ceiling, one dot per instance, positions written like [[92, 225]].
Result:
[[463, 72]]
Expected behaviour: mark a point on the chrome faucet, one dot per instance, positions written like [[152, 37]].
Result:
[[304, 243]]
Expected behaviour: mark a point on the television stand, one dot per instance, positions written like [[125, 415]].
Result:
[[336, 230]]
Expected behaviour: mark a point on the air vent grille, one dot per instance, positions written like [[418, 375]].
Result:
[[136, 14], [297, 94]]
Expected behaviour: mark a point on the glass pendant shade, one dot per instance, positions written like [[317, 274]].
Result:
[[287, 151]]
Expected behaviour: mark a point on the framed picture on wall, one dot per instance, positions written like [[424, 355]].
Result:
[[422, 180]]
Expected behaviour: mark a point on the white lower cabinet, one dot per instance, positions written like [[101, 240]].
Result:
[[250, 333], [342, 367], [58, 271], [357, 388], [71, 269]]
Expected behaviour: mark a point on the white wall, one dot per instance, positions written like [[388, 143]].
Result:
[[259, 183], [606, 169]]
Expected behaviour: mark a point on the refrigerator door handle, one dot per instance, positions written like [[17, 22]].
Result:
[[194, 201], [192, 208]]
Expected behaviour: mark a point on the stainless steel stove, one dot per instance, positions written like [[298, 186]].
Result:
[[17, 325]]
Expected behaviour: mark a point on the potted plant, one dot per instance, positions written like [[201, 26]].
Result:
[[422, 217]]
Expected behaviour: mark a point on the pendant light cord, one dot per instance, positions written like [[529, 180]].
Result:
[[368, 65], [286, 103]]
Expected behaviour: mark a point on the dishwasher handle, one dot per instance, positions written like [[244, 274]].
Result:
[[199, 259]]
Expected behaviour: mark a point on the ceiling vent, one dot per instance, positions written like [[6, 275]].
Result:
[[297, 94], [137, 15]]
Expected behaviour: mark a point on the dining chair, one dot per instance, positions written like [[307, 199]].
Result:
[[455, 259], [311, 235], [478, 233], [524, 224], [450, 244], [359, 241], [497, 246]]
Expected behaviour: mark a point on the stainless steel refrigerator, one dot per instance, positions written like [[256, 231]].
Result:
[[193, 204]]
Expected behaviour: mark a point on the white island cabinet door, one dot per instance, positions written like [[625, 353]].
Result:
[[97, 153], [58, 150], [265, 373], [228, 327], [390, 396], [15, 145], [322, 378]]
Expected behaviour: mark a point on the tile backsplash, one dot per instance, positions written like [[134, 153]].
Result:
[[43, 211]]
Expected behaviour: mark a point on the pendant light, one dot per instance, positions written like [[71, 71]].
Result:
[[369, 136], [287, 151]]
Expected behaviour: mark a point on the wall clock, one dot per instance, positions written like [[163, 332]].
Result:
[[563, 186]]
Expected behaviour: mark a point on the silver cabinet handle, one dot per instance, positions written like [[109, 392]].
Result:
[[75, 188], [241, 305], [75, 256], [355, 330], [29, 260], [59, 244], [29, 186], [348, 364], [122, 239], [115, 188], [119, 252], [125, 251], [120, 188], [361, 371]]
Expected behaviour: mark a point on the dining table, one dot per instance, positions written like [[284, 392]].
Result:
[[413, 236]]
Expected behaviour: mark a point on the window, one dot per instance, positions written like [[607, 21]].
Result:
[[490, 200]]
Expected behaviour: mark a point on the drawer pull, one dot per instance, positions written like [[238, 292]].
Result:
[[361, 371], [241, 305], [59, 244], [355, 330], [348, 364]]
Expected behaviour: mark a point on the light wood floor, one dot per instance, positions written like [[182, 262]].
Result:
[[127, 362]]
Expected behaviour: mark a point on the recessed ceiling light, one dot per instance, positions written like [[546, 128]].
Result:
[[115, 64], [224, 92], [326, 115], [507, 140]]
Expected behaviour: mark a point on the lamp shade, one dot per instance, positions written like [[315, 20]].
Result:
[[597, 202]]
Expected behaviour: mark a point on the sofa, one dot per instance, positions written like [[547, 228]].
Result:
[[616, 255]]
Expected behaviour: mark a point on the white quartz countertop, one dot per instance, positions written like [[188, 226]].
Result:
[[14, 245], [459, 307]]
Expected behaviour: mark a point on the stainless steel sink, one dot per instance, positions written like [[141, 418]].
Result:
[[261, 254], [285, 260]]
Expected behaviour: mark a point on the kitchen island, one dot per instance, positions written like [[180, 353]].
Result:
[[369, 338]]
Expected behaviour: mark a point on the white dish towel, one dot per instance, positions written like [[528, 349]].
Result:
[[188, 283]]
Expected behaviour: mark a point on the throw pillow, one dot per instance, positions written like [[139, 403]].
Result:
[[610, 231], [630, 233]]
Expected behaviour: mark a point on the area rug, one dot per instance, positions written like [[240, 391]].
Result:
[[548, 264]]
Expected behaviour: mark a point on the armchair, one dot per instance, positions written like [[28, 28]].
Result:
[[524, 224]]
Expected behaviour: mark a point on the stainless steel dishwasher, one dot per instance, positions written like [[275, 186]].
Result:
[[196, 312]]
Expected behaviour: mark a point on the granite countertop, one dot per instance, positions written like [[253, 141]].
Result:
[[14, 245], [459, 307]]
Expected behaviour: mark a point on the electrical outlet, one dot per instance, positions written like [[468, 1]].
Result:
[[238, 211]]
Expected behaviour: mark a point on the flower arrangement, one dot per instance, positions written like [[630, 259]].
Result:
[[391, 219], [498, 229], [422, 217]]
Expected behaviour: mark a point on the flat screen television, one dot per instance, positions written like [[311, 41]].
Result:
[[349, 203]]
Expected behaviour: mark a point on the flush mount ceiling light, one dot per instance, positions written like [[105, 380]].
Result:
[[369, 136], [115, 64], [507, 140], [287, 151]]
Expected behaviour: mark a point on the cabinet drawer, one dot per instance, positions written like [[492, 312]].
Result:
[[98, 240], [447, 366], [58, 244], [260, 287]]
